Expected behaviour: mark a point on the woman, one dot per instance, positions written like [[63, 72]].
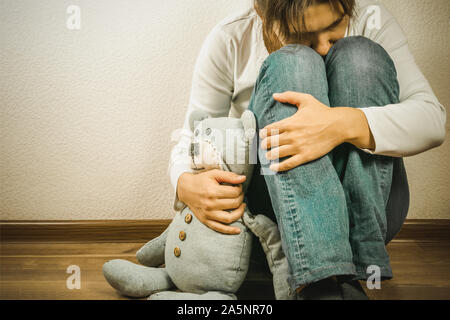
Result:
[[340, 101]]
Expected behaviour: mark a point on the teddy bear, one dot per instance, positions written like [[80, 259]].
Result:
[[190, 261]]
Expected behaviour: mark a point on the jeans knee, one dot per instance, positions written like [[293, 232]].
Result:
[[293, 54], [361, 64], [294, 60], [294, 67], [361, 55]]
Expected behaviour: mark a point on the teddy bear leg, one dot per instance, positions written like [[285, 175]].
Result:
[[211, 295], [269, 236], [152, 253], [134, 280]]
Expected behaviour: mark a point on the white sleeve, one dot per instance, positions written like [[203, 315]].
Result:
[[417, 123], [212, 90]]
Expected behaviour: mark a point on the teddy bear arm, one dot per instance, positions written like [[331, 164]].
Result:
[[152, 253]]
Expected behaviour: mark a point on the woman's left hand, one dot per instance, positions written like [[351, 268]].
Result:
[[312, 132]]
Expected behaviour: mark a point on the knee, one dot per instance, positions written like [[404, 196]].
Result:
[[359, 56], [292, 68], [293, 60], [293, 55]]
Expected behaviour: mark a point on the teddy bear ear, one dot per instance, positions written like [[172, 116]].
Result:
[[196, 116], [249, 122]]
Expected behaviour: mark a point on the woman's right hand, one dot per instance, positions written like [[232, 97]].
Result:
[[208, 199]]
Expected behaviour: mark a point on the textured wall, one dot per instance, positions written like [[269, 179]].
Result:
[[426, 23], [87, 115]]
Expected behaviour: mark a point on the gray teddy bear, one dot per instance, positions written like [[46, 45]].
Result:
[[200, 262]]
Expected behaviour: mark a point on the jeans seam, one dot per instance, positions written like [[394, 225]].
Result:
[[301, 279], [291, 208]]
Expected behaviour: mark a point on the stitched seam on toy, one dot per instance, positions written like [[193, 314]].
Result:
[[270, 256], [241, 255]]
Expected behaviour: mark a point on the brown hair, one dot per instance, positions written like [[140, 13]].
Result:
[[288, 17]]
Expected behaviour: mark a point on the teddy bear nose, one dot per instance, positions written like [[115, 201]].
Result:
[[195, 149]]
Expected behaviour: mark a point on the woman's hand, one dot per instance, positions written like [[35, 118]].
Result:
[[208, 199], [313, 131]]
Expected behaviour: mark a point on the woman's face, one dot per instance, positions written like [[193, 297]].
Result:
[[324, 26]]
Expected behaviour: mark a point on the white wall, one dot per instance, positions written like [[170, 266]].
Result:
[[427, 25], [87, 115]]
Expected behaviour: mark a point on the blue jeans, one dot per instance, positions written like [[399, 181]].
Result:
[[335, 214]]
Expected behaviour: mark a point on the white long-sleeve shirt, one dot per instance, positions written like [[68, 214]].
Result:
[[231, 57]]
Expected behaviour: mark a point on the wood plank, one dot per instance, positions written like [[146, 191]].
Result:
[[407, 292], [44, 277], [38, 271], [413, 259], [34, 256], [420, 264], [51, 290]]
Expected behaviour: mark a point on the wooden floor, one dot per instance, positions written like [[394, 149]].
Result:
[[38, 271]]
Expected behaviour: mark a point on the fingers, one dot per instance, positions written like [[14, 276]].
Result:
[[228, 192], [274, 141], [280, 152], [294, 98], [273, 129], [228, 204], [288, 164], [227, 217], [227, 177], [219, 220], [219, 227]]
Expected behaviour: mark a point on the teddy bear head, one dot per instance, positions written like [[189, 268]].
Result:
[[223, 143]]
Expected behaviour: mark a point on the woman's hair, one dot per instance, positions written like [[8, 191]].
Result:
[[288, 17]]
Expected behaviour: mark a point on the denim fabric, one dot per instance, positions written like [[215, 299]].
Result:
[[331, 212]]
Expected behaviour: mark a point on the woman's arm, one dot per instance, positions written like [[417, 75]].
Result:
[[417, 123], [212, 90], [313, 131], [214, 204], [413, 126]]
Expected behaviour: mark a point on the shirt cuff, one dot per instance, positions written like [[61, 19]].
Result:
[[374, 129], [175, 174]]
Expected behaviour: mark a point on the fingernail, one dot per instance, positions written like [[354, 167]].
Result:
[[276, 95]]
